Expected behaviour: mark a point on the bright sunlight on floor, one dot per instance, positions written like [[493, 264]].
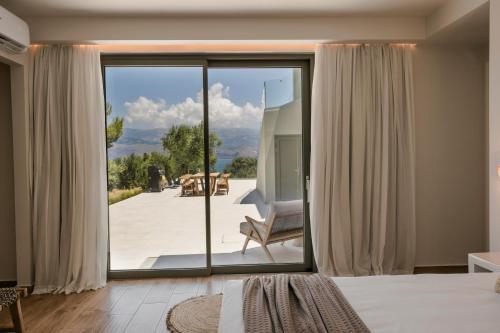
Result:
[[151, 230]]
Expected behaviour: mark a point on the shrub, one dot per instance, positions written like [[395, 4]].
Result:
[[242, 167], [115, 196]]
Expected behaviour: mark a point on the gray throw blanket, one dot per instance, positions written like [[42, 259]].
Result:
[[297, 303]]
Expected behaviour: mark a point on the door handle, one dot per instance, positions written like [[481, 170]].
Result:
[[308, 187]]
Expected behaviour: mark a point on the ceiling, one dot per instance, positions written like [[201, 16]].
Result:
[[221, 7], [472, 28]]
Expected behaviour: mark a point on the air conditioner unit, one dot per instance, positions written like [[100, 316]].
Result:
[[14, 32]]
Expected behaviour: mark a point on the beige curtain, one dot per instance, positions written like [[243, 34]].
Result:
[[363, 160], [69, 164]]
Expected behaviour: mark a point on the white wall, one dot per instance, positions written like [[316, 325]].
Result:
[[451, 150], [494, 126], [7, 218], [285, 120]]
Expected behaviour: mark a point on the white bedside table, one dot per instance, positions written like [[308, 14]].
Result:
[[484, 262]]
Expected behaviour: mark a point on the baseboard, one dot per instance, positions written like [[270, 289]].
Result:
[[452, 269], [7, 284]]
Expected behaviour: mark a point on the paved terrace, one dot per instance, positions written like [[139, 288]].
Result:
[[152, 230]]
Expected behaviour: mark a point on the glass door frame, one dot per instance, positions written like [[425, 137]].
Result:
[[305, 61]]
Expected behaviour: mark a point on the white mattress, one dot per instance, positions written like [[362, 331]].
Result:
[[408, 303]]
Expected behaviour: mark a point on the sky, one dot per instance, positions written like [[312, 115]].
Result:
[[159, 97]]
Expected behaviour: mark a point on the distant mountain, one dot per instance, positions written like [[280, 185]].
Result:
[[141, 136], [138, 141], [236, 142]]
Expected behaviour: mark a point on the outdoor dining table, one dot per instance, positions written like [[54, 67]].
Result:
[[200, 176]]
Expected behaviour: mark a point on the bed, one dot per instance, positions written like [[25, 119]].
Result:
[[406, 303]]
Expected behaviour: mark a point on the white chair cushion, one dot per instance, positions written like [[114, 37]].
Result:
[[288, 215]]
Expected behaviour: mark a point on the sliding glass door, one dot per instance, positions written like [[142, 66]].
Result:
[[155, 135], [207, 164], [257, 111]]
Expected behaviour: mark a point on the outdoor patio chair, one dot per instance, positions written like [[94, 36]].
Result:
[[223, 183], [284, 221], [187, 184]]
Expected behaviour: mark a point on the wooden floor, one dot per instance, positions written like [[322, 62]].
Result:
[[123, 306]]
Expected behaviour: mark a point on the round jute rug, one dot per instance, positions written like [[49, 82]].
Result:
[[195, 315]]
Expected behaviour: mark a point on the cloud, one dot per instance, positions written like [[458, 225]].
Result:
[[223, 113]]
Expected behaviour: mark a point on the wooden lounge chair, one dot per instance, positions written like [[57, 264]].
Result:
[[223, 183], [283, 222], [187, 184]]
